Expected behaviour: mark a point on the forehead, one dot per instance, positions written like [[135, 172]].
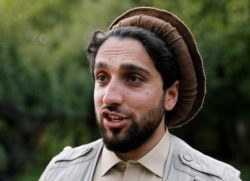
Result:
[[117, 50]]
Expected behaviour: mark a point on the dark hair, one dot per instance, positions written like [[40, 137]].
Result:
[[158, 51]]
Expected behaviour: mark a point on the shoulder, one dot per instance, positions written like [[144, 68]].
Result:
[[86, 150], [70, 163], [69, 153], [195, 163]]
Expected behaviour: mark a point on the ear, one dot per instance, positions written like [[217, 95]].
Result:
[[171, 96]]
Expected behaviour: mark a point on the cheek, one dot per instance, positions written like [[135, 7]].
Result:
[[147, 99], [142, 100], [97, 106], [97, 98]]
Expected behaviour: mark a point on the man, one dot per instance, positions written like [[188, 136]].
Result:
[[148, 77]]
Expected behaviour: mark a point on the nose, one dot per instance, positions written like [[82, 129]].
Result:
[[113, 94]]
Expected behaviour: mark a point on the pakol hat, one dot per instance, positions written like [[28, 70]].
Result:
[[190, 65]]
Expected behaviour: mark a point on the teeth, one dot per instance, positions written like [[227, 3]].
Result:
[[115, 118]]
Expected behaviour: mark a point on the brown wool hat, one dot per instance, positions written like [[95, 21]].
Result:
[[177, 35]]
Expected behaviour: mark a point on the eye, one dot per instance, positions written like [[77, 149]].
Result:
[[134, 79], [101, 77]]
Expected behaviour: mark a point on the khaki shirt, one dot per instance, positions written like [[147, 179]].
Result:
[[183, 164], [150, 167]]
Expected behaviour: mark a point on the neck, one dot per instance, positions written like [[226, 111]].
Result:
[[145, 147]]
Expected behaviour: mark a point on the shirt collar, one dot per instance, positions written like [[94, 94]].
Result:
[[108, 160], [154, 160]]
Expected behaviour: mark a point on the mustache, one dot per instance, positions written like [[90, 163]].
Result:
[[116, 109], [112, 108]]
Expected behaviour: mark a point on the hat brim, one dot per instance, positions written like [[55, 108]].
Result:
[[190, 65]]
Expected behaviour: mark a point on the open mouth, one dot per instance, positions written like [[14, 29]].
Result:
[[115, 119]]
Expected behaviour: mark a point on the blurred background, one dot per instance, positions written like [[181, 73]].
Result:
[[46, 89]]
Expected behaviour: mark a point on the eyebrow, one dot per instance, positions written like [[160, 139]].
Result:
[[132, 67], [100, 65], [125, 67]]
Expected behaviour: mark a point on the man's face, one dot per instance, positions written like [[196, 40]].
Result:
[[128, 95]]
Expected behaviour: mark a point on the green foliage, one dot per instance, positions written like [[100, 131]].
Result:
[[36, 58], [45, 84]]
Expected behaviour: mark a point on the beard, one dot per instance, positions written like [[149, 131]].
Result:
[[139, 131]]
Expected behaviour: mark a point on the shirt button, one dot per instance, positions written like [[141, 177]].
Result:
[[67, 148], [188, 157]]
